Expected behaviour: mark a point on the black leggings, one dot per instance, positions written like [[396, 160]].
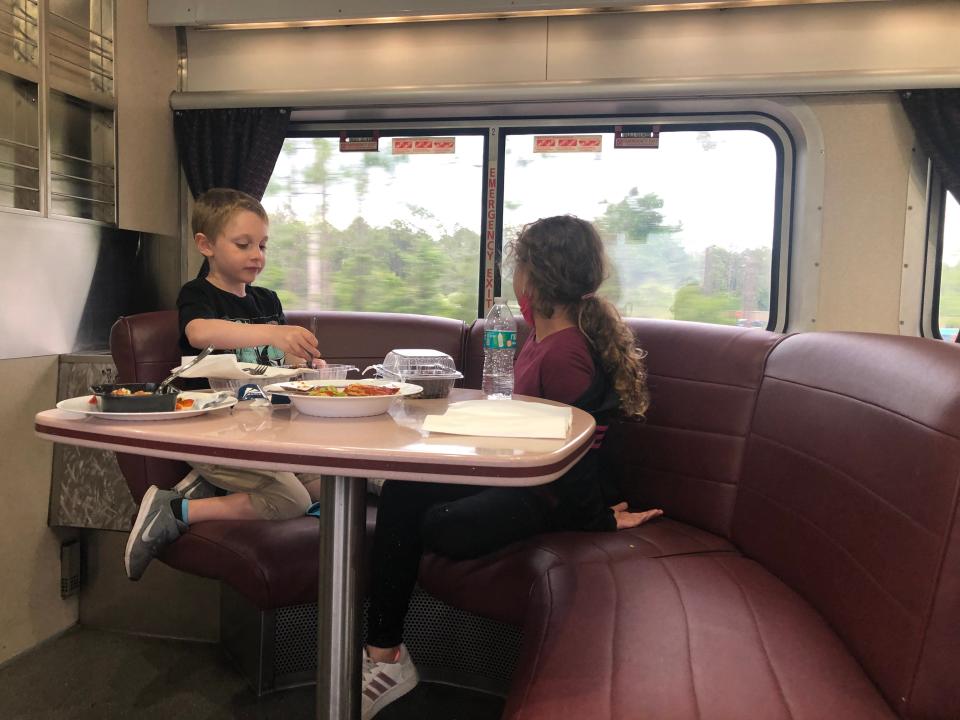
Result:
[[457, 521]]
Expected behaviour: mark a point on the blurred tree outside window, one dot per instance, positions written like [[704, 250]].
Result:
[[375, 231], [688, 226], [949, 315]]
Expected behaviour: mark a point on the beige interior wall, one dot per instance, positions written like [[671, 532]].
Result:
[[372, 56], [867, 141], [862, 40], [854, 38], [31, 609]]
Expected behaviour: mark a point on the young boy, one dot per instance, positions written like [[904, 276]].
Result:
[[224, 310]]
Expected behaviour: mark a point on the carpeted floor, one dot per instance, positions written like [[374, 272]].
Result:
[[94, 675]]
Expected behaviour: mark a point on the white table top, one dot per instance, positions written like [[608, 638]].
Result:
[[392, 446]]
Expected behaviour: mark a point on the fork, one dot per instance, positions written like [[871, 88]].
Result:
[[258, 370]]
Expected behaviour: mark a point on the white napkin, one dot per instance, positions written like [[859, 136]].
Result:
[[226, 367], [502, 418], [205, 400]]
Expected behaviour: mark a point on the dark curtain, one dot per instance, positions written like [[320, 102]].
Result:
[[234, 148], [935, 115]]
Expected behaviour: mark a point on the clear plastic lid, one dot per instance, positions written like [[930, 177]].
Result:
[[417, 363]]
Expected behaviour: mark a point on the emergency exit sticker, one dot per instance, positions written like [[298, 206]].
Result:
[[567, 143], [360, 141], [636, 136], [424, 146]]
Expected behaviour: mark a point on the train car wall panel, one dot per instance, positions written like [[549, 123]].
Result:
[[342, 57], [147, 167], [31, 609], [868, 154], [759, 50], [833, 41]]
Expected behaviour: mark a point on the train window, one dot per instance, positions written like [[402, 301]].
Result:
[[689, 226], [949, 308], [383, 231]]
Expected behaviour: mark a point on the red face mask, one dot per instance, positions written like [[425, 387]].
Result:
[[526, 309]]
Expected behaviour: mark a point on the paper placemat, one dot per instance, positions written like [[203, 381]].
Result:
[[502, 418]]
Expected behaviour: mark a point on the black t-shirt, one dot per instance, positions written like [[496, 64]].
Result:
[[201, 300]]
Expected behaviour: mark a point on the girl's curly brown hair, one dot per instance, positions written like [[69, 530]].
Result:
[[564, 262]]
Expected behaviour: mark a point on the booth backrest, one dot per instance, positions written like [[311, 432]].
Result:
[[364, 338], [145, 347], [849, 494], [686, 455]]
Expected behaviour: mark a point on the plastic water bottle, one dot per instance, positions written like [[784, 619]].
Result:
[[499, 347]]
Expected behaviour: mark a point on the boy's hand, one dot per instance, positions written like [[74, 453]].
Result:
[[297, 361], [626, 519], [294, 340]]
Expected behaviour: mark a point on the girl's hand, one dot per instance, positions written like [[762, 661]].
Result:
[[294, 341], [626, 519]]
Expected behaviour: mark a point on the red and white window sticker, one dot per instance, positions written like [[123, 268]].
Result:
[[567, 143], [424, 145]]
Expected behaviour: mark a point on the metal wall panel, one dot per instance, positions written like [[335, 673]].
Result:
[[66, 282], [19, 144]]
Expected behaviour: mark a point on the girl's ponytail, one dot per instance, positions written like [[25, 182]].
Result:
[[622, 360], [564, 262]]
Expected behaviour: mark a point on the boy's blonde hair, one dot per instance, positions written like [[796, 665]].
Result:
[[214, 208]]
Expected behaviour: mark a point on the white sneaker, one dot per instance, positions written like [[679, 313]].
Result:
[[385, 682]]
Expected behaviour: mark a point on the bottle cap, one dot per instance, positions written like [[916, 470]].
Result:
[[498, 301]]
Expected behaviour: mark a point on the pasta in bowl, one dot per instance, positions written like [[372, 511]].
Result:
[[343, 398]]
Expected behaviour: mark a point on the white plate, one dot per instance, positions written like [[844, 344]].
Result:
[[83, 406], [342, 407]]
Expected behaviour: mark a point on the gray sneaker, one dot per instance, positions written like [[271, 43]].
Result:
[[194, 487], [154, 529]]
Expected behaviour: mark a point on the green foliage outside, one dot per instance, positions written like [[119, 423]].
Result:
[[691, 303], [950, 296], [401, 267]]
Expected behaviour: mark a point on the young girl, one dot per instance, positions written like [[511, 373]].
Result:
[[581, 354]]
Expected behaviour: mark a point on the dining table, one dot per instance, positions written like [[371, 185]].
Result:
[[346, 452]]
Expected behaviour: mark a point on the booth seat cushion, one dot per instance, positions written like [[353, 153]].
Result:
[[272, 563], [515, 569], [702, 637]]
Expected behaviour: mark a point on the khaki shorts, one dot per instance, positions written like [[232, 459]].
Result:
[[275, 495]]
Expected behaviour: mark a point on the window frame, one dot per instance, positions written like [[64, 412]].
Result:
[[936, 211], [497, 126]]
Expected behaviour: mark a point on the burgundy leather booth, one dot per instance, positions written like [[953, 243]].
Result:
[[835, 479], [271, 563], [808, 565]]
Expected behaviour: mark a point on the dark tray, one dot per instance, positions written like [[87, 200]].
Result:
[[133, 403]]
